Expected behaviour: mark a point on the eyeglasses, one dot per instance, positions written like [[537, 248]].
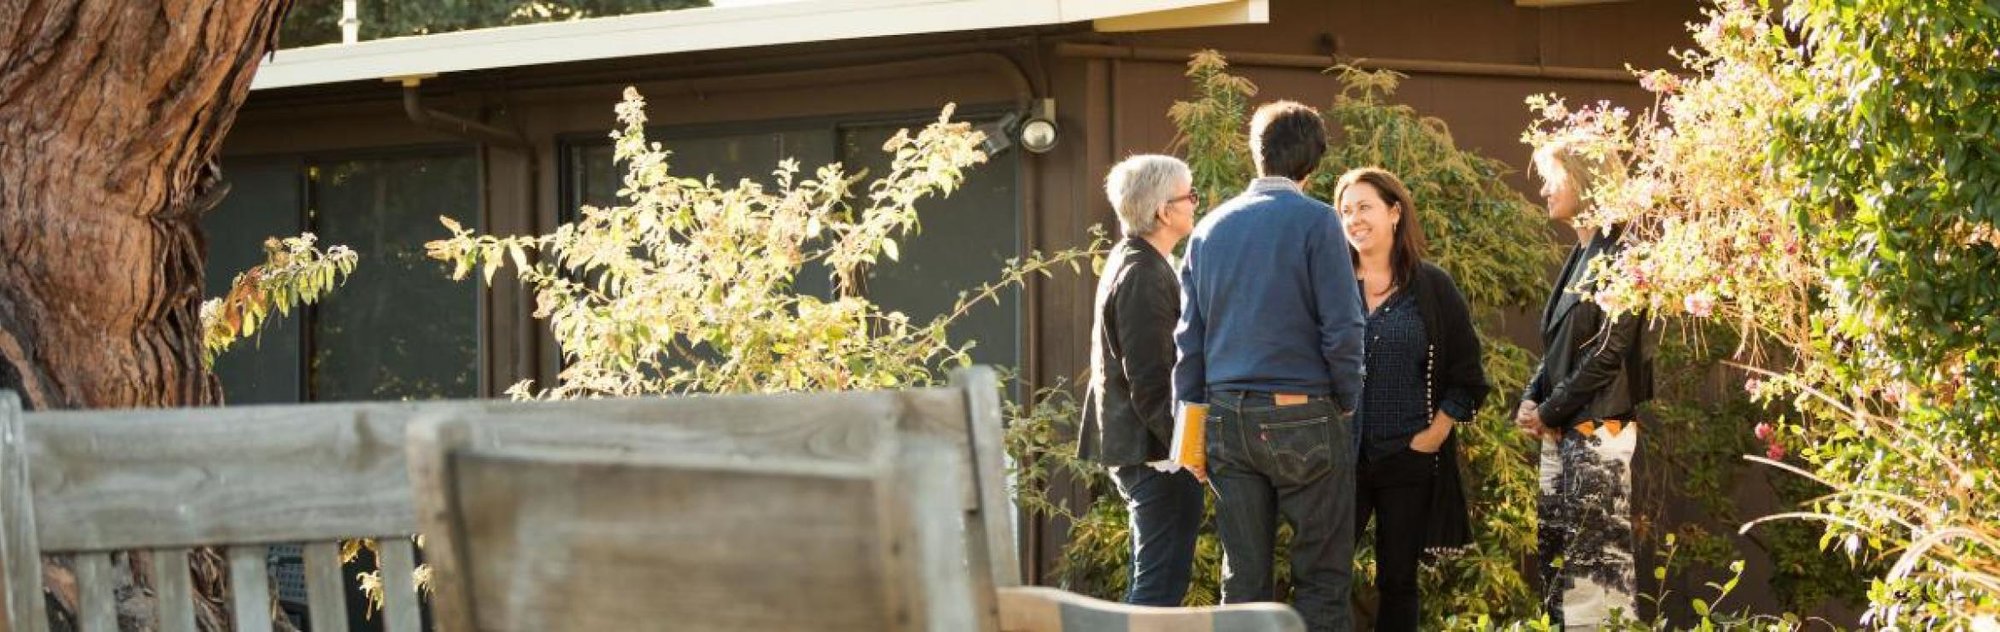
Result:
[[1193, 197]]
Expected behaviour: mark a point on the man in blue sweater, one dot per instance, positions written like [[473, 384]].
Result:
[[1270, 337]]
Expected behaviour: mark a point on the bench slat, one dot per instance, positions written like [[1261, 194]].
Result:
[[99, 603], [249, 588], [399, 589], [996, 522], [21, 605], [311, 472], [326, 596], [175, 589]]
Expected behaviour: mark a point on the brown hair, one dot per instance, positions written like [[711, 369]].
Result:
[[1287, 139], [1407, 251]]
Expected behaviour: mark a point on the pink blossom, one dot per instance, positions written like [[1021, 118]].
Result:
[[1764, 431], [1700, 304], [1609, 302], [1659, 81], [1775, 451], [1753, 386]]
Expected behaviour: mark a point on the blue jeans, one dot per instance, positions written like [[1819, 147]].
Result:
[[1296, 461], [1166, 515]]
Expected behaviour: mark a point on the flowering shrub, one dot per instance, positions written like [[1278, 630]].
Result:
[[688, 287], [1825, 178]]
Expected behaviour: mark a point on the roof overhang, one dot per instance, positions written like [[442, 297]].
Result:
[[716, 28]]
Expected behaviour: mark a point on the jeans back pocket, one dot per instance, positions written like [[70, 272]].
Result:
[[1298, 451]]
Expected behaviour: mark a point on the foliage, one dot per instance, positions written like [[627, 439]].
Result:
[[688, 286], [688, 289], [293, 272], [1826, 180], [1494, 245], [314, 22]]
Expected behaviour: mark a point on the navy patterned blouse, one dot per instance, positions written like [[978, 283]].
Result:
[[1395, 402]]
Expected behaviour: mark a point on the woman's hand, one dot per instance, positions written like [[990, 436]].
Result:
[[1432, 439], [1529, 418]]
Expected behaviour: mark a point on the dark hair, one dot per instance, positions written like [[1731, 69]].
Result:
[[1287, 139], [1407, 251]]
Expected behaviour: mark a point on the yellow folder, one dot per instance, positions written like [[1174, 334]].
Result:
[[1190, 447]]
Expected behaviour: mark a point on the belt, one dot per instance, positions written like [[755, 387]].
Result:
[[1616, 426], [1266, 397]]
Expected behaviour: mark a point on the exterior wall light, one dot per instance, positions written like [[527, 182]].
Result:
[[1039, 132]]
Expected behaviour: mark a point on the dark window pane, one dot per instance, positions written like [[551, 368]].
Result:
[[263, 202], [400, 328], [965, 240]]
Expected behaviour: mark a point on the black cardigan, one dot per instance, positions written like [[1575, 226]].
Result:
[[1458, 374]]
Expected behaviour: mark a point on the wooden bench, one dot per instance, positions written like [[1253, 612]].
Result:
[[88, 483]]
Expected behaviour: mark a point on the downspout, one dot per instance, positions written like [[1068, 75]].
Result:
[[413, 105]]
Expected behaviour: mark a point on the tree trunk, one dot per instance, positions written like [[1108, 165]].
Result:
[[111, 115]]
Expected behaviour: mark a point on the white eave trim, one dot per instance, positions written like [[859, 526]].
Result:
[[712, 28]]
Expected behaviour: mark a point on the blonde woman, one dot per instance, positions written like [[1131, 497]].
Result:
[[1583, 403]]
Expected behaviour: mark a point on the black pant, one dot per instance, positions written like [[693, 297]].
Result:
[[1266, 460], [1395, 490], [1166, 516]]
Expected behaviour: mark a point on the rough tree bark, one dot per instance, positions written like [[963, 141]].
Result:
[[111, 115]]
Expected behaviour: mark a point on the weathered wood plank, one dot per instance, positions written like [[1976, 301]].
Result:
[[399, 589], [250, 588], [929, 475], [174, 588], [706, 544], [996, 522], [216, 476], [431, 442], [1041, 609], [267, 474], [97, 607], [326, 594], [21, 605]]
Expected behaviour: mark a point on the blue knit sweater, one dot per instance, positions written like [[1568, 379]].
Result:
[[1268, 300]]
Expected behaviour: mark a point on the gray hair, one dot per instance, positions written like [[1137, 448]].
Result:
[[1139, 186]]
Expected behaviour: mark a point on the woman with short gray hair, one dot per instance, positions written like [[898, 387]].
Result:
[[1140, 187], [1128, 420]]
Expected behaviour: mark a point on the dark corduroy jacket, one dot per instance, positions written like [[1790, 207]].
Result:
[[1128, 410]]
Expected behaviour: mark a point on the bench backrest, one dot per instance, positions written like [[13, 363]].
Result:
[[88, 483], [527, 538]]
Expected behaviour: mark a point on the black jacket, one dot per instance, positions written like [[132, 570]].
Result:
[[1128, 409], [1590, 369], [1457, 376]]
